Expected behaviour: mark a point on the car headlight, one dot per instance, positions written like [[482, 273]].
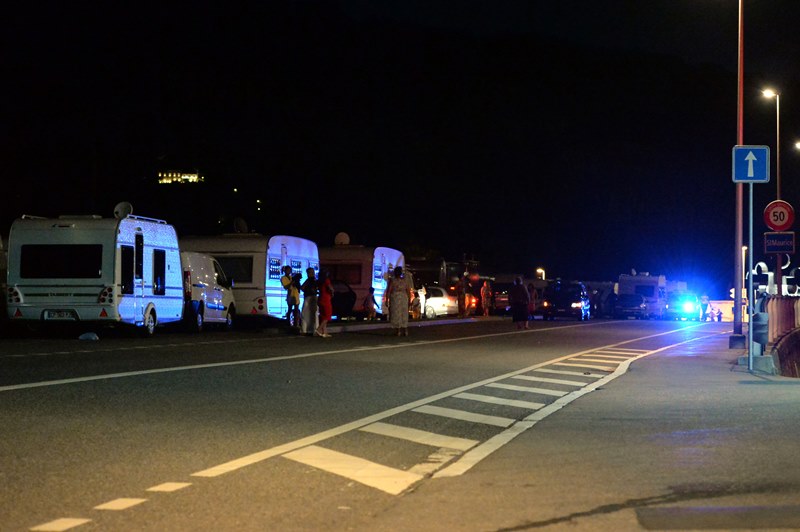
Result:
[[688, 306], [577, 305]]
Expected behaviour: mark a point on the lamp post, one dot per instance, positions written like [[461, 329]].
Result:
[[737, 340], [540, 272], [769, 93]]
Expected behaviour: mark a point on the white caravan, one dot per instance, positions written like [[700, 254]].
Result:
[[361, 267], [253, 263], [75, 269]]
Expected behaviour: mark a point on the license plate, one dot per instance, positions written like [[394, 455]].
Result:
[[59, 315]]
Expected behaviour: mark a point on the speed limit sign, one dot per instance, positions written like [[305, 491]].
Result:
[[779, 215]]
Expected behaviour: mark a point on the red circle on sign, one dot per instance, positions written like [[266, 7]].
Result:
[[779, 215]]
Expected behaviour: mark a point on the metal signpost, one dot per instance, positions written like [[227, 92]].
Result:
[[750, 165]]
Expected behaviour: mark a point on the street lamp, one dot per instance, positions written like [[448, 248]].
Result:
[[769, 93], [540, 272]]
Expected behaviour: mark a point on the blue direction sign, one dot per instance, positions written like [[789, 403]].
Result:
[[751, 164], [781, 242]]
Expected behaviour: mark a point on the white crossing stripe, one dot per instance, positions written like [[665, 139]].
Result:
[[119, 504], [499, 400], [587, 359], [462, 415], [567, 372], [170, 486], [378, 476], [435, 462], [623, 351], [529, 389], [610, 357], [591, 366], [420, 436], [552, 381], [59, 525]]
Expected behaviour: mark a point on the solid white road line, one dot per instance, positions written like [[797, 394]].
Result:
[[378, 476], [530, 405], [463, 415], [420, 436]]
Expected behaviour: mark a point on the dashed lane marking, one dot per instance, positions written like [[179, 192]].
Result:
[[170, 486], [388, 479], [60, 525], [119, 504]]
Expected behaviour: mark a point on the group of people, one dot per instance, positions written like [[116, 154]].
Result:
[[313, 318]]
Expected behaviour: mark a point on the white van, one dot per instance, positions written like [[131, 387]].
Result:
[[207, 292], [361, 267], [71, 269], [254, 263]]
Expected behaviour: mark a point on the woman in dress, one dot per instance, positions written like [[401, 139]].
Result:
[[325, 303], [399, 297]]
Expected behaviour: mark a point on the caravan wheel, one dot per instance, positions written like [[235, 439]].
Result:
[[149, 327], [230, 318]]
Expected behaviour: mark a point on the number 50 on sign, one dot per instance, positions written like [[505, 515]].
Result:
[[779, 215]]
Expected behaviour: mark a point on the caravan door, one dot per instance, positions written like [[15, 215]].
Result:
[[132, 280]]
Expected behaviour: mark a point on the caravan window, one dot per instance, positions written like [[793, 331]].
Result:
[[239, 269], [126, 268], [139, 243], [159, 272], [61, 261]]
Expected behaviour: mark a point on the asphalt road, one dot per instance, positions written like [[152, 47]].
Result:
[[605, 425]]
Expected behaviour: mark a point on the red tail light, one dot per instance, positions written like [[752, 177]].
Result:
[[106, 295]]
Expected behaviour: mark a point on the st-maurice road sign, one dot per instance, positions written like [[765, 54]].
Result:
[[751, 164], [781, 242]]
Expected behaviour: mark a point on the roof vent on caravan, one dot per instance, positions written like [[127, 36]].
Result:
[[342, 239], [240, 225], [122, 210]]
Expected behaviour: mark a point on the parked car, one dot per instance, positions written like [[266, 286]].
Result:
[[565, 299], [682, 306], [440, 302], [630, 306], [344, 299], [208, 293], [500, 296]]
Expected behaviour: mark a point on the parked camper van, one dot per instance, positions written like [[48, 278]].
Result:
[[70, 269], [361, 267], [253, 263], [652, 287], [207, 292]]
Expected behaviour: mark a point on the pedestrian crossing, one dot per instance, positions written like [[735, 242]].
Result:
[[520, 400]]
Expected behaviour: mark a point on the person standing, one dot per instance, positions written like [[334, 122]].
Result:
[[461, 293], [292, 296], [486, 297], [532, 300], [310, 291], [325, 303], [518, 300], [370, 304], [399, 298]]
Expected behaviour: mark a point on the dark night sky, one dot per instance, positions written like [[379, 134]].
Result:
[[588, 138]]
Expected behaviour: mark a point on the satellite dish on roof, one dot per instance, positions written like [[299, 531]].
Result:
[[240, 225], [341, 239], [122, 210]]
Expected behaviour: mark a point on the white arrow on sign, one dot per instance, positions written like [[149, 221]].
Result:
[[750, 158]]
